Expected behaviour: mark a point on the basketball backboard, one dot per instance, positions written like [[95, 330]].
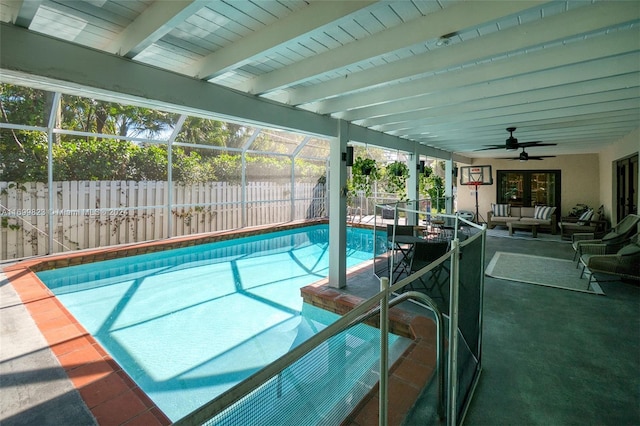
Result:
[[476, 175]]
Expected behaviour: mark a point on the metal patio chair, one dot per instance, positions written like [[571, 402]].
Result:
[[423, 254]]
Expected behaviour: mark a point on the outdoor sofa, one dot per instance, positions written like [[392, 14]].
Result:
[[543, 216]]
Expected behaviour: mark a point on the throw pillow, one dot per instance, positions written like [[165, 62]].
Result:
[[501, 209], [543, 212], [585, 217]]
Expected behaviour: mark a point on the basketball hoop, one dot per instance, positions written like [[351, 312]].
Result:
[[476, 176]]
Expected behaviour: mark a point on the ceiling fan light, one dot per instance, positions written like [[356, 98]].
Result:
[[524, 156]]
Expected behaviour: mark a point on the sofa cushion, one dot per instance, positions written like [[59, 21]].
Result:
[[516, 211], [543, 212], [504, 219], [527, 211], [501, 210]]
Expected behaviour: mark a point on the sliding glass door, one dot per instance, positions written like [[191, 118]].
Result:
[[529, 188], [626, 182]]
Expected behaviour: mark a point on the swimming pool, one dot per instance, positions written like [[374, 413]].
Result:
[[188, 324]]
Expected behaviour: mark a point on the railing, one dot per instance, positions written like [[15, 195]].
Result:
[[469, 297], [208, 412], [415, 295]]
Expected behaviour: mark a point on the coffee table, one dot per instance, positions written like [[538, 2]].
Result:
[[520, 225]]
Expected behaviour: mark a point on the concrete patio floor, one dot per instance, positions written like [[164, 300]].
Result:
[[550, 356]]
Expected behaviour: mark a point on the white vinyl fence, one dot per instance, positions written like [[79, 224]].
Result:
[[88, 214]]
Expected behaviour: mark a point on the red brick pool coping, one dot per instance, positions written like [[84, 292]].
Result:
[[114, 398]]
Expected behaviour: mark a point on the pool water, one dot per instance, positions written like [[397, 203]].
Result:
[[190, 323]]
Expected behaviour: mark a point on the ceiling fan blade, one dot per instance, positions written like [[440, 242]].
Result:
[[512, 144], [491, 147], [534, 144], [532, 157]]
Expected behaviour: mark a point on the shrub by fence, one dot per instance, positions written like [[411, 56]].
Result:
[[89, 214]]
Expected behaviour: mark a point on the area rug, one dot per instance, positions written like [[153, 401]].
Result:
[[522, 234], [538, 270]]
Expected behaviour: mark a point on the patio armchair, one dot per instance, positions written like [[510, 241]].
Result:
[[625, 263], [615, 239], [589, 222]]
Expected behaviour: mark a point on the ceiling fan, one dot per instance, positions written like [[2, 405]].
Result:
[[512, 143], [524, 156]]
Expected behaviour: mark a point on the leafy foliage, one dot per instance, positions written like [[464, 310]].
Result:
[[203, 132], [24, 154], [90, 115], [432, 184], [397, 174], [364, 173]]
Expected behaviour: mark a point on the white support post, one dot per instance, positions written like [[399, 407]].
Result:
[[243, 175], [55, 105], [413, 192], [169, 217], [448, 186], [338, 208], [172, 138]]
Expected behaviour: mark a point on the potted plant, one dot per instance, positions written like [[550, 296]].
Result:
[[364, 173], [397, 174]]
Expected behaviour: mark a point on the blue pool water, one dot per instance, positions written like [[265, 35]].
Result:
[[188, 324]]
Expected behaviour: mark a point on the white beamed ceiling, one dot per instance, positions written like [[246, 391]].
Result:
[[563, 72]]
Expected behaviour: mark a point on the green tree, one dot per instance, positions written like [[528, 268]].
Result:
[[203, 131], [432, 184], [90, 115], [228, 167], [149, 162], [190, 167], [237, 134], [23, 153]]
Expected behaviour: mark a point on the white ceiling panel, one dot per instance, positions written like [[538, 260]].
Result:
[[448, 74]]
